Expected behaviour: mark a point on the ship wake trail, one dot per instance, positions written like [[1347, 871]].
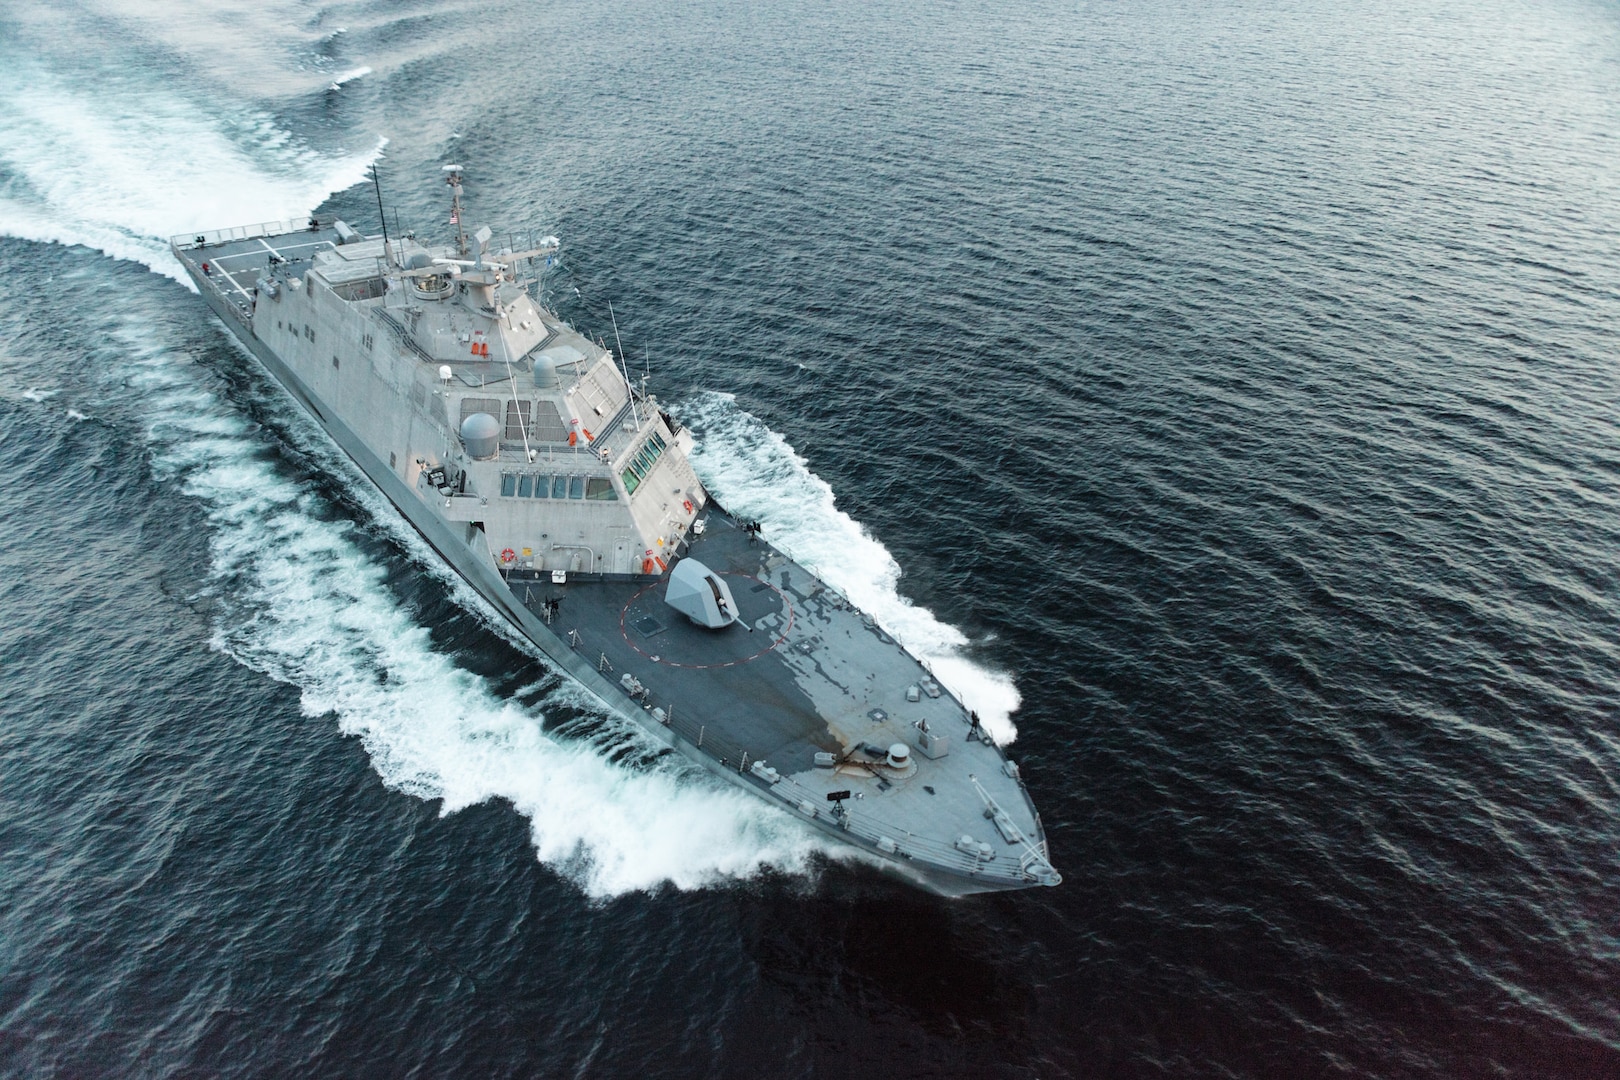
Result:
[[756, 474], [119, 165], [306, 605]]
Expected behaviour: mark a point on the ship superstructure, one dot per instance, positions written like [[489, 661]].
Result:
[[562, 492]]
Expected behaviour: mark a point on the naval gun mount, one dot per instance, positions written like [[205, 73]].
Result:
[[701, 595]]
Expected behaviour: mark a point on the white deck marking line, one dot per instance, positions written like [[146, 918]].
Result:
[[306, 244], [252, 254], [311, 244], [234, 285], [270, 249]]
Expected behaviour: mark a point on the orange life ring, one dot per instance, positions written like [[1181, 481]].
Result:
[[688, 505], [508, 556]]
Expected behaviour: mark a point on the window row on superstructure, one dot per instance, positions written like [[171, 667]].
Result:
[[642, 462], [556, 486]]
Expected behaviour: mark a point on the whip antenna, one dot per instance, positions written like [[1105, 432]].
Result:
[[376, 182], [628, 388]]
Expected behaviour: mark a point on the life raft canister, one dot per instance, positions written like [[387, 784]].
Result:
[[688, 505]]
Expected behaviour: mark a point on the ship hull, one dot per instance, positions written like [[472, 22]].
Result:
[[484, 579]]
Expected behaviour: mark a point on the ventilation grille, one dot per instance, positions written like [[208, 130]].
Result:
[[541, 418]]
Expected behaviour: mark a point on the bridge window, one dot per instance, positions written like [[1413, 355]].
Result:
[[559, 487], [525, 486], [643, 460], [508, 485], [542, 486], [576, 487], [599, 488]]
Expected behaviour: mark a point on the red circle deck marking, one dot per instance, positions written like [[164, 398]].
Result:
[[699, 667]]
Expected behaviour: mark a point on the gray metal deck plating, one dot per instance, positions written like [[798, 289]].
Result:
[[803, 672], [236, 258]]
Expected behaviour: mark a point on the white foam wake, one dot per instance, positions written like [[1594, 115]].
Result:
[[120, 171], [311, 609], [349, 76], [122, 168], [758, 475]]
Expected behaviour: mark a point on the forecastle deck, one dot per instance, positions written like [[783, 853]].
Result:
[[803, 674]]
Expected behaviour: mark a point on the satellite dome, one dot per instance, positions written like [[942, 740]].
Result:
[[545, 372], [481, 433]]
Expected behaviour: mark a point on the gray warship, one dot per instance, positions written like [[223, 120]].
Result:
[[528, 458]]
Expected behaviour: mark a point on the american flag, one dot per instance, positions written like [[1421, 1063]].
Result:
[[455, 219]]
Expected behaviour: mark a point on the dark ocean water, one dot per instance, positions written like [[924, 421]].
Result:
[[1236, 385]]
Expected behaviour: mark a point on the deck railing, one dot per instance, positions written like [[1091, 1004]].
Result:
[[852, 820], [234, 304], [186, 241]]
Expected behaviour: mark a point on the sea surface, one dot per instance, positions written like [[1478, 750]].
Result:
[[1224, 398]]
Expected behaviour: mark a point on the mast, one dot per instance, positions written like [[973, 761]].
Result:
[[452, 176]]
